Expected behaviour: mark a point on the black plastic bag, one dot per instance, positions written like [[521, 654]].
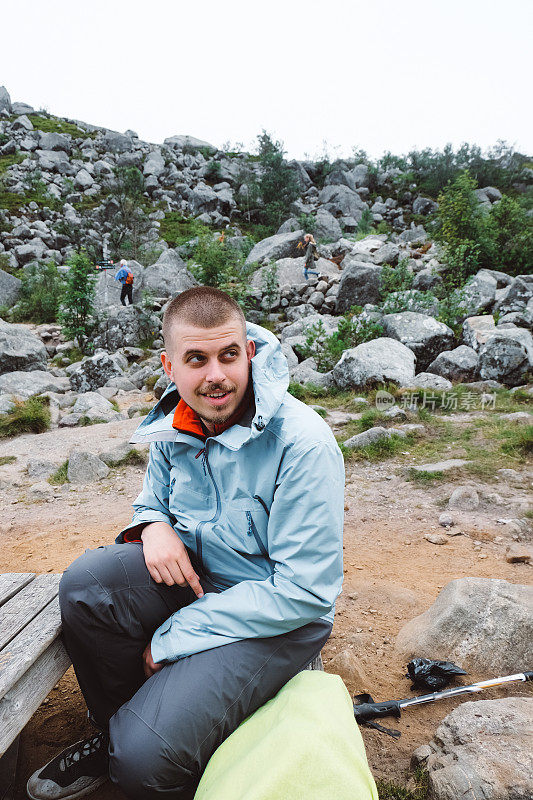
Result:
[[434, 675]]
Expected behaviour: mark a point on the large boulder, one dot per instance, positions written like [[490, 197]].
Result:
[[421, 333], [306, 372], [126, 326], [20, 349], [29, 383], [189, 142], [371, 363], [482, 624], [460, 364], [360, 284], [479, 292], [300, 326], [55, 141], [169, 276], [94, 371], [517, 296], [476, 330], [202, 199], [281, 245], [115, 142], [85, 467], [484, 749], [94, 407], [9, 289], [5, 100], [342, 201], [327, 226], [507, 355]]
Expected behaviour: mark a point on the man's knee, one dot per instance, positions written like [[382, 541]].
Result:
[[94, 575], [143, 764]]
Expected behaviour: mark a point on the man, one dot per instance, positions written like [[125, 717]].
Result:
[[223, 586], [125, 277]]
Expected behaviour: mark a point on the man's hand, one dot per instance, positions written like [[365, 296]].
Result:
[[167, 559], [149, 665]]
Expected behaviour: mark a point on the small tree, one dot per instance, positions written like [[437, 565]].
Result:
[[77, 309], [40, 294], [277, 181], [511, 232], [461, 228], [130, 220]]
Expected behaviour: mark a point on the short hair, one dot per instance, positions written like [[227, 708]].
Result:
[[202, 306], [123, 262]]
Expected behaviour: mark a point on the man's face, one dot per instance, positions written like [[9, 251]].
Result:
[[210, 367]]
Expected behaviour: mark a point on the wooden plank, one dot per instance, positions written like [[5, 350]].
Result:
[[8, 770], [27, 646], [25, 605], [21, 702], [12, 582]]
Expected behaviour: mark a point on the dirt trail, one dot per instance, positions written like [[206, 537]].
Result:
[[391, 573]]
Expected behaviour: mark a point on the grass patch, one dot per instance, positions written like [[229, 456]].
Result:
[[518, 440], [60, 475], [10, 160], [51, 124], [176, 229], [85, 421], [425, 476], [133, 458], [7, 460], [389, 790], [375, 451], [151, 381], [28, 416]]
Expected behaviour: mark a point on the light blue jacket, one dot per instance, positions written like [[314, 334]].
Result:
[[260, 507]]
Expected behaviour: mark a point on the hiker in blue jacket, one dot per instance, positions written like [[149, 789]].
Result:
[[223, 586], [125, 277]]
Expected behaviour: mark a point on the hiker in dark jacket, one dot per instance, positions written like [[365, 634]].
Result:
[[311, 255], [125, 277]]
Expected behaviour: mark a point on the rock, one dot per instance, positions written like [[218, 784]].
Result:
[[518, 554], [169, 276], [9, 289], [460, 364], [395, 412], [281, 245], [306, 372], [5, 100], [446, 520], [161, 385], [370, 436], [483, 749], [420, 333], [107, 290], [85, 468], [182, 142], [301, 326], [115, 456], [126, 325], [423, 205], [6, 404], [427, 380], [94, 371], [83, 180], [378, 361], [94, 407], [440, 466], [517, 296], [426, 280], [436, 538], [290, 225], [116, 142], [40, 468], [327, 226], [476, 330], [33, 382], [387, 254], [20, 350], [360, 284], [506, 356], [41, 491], [349, 667], [342, 201], [479, 292], [289, 271], [481, 624]]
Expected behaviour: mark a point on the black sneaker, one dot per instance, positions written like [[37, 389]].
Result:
[[77, 771]]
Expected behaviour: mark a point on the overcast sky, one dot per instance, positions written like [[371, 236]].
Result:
[[389, 75]]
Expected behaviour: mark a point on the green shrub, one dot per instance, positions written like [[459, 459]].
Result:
[[40, 294], [213, 173], [77, 309], [270, 283], [510, 231], [396, 279], [461, 229], [327, 350], [216, 264], [364, 226], [28, 416], [7, 460], [307, 222], [176, 229]]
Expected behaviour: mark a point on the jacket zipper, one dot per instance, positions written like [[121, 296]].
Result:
[[252, 530], [200, 526]]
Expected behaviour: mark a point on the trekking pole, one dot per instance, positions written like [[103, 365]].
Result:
[[366, 711]]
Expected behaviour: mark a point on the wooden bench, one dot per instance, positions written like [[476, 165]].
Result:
[[32, 658]]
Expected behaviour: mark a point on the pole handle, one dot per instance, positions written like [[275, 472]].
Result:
[[364, 712]]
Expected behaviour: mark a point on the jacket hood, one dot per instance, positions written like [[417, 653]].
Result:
[[270, 378]]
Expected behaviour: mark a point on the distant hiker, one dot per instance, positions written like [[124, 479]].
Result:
[[125, 276], [311, 255]]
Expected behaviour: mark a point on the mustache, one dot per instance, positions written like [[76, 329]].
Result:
[[217, 388]]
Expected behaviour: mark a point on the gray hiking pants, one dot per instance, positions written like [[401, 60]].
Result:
[[164, 730]]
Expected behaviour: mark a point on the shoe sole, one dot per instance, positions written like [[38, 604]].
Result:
[[81, 793]]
